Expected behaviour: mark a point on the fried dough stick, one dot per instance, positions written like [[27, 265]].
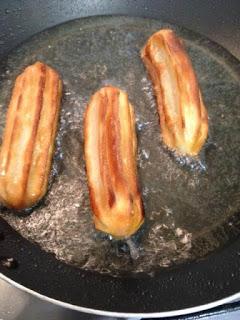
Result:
[[28, 140], [110, 154], [183, 116]]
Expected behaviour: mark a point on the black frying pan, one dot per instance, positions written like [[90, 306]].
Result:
[[187, 287]]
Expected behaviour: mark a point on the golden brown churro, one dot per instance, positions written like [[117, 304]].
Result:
[[110, 154], [183, 116], [28, 140]]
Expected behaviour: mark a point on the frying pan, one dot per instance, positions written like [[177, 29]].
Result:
[[187, 287]]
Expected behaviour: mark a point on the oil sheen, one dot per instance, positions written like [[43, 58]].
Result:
[[191, 206]]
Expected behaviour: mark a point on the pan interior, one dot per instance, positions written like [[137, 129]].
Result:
[[189, 211]]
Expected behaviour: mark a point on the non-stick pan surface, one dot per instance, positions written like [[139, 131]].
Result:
[[169, 289]]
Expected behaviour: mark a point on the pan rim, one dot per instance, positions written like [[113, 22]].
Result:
[[233, 298]]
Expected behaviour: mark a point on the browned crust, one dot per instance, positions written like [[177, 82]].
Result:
[[183, 116], [28, 140], [110, 154]]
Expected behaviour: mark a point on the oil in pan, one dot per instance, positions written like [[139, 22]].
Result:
[[190, 211]]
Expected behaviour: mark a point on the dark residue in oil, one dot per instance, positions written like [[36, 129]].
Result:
[[2, 237], [186, 202]]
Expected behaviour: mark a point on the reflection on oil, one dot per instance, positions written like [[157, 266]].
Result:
[[188, 204]]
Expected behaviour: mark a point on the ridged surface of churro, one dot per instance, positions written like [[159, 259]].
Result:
[[110, 154], [183, 116], [28, 140]]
